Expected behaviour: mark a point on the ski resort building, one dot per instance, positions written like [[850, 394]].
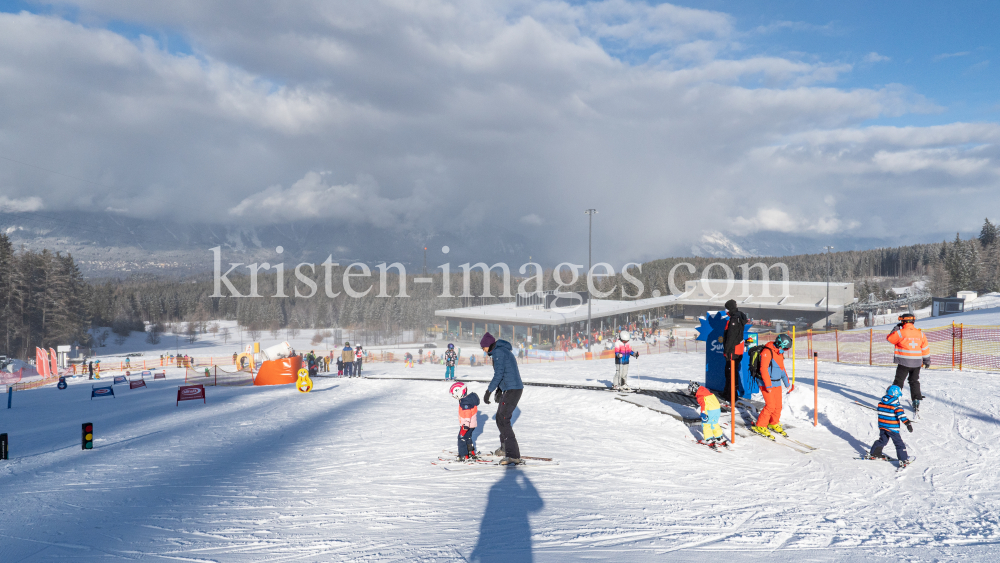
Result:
[[543, 316]]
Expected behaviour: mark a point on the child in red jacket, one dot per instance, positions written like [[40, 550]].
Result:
[[468, 407]]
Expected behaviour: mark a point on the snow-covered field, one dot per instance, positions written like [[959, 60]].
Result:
[[344, 473]]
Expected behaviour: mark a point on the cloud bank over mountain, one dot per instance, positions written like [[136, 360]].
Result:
[[437, 119]]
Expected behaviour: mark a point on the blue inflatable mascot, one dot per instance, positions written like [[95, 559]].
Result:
[[711, 332]]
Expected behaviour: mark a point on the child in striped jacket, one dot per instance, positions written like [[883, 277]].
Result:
[[890, 417]]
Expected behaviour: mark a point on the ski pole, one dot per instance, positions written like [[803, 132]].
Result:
[[732, 401]]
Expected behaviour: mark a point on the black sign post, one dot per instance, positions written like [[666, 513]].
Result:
[[3, 446]]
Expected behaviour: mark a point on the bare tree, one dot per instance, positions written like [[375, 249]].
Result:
[[192, 332], [224, 333]]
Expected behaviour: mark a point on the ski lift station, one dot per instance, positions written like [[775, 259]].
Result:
[[546, 314]]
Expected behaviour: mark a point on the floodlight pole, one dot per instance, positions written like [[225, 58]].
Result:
[[829, 270], [590, 248]]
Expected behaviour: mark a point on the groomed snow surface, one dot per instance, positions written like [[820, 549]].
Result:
[[344, 473]]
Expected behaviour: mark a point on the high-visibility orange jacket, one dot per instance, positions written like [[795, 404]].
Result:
[[911, 346]]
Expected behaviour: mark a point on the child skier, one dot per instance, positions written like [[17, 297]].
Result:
[[340, 365], [890, 416], [408, 360], [711, 431], [450, 358], [468, 404], [623, 351]]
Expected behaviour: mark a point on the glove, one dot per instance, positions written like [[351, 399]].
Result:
[[636, 354], [927, 364], [486, 398], [909, 426]]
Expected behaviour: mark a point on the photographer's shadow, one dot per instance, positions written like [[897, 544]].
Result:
[[505, 531]]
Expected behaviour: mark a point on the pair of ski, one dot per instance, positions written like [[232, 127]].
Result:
[[747, 412], [449, 461], [899, 465], [714, 446]]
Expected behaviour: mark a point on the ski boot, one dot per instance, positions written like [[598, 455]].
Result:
[[762, 431], [878, 457], [500, 453], [722, 442], [916, 405], [511, 461], [904, 463], [777, 428], [625, 389]]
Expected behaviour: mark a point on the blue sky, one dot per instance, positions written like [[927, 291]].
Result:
[[947, 51]]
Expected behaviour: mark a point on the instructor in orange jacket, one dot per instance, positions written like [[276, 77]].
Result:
[[912, 351]]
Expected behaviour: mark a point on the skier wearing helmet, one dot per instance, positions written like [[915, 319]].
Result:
[[623, 351], [450, 358], [890, 416], [468, 407], [912, 351], [772, 376]]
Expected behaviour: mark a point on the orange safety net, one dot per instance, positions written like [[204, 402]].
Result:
[[959, 347]]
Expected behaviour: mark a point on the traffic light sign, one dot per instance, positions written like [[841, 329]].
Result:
[[88, 436]]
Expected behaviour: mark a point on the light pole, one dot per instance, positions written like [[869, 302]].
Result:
[[590, 247], [829, 270]]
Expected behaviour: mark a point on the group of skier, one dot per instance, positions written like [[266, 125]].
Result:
[[767, 365]]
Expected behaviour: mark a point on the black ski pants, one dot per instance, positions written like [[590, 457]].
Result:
[[727, 391], [902, 373], [507, 403], [883, 438]]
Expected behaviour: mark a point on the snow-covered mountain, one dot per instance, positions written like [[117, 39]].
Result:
[[771, 243]]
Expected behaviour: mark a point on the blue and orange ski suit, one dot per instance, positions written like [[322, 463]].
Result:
[[772, 374]]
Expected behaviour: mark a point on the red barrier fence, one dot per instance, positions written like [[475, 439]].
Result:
[[956, 346]]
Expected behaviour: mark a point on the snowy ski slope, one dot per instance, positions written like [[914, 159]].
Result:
[[344, 474]]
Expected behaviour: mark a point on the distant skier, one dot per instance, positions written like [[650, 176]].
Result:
[[623, 351], [408, 360], [890, 416], [711, 431], [912, 351], [772, 377], [347, 355], [91, 368], [340, 365], [359, 354], [450, 359], [468, 407], [507, 383]]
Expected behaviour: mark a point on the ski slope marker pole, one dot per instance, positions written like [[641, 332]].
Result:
[[815, 389], [793, 359], [732, 400]]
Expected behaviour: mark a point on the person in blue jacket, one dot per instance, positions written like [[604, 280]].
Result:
[[507, 384]]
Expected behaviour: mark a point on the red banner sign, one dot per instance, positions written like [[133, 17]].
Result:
[[190, 393], [135, 384], [161, 375]]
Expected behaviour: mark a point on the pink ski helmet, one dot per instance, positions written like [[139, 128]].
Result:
[[458, 390]]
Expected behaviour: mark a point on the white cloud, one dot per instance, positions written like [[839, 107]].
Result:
[[9, 205], [312, 197], [944, 56], [444, 116], [874, 57]]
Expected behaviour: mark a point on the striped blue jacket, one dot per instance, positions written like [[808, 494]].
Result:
[[890, 414]]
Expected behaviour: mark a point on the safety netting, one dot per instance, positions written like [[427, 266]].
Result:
[[952, 347], [218, 376]]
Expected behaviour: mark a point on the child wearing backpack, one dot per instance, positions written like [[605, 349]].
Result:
[[890, 416], [769, 367]]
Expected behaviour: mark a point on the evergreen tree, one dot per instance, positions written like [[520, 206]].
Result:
[[988, 235]]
